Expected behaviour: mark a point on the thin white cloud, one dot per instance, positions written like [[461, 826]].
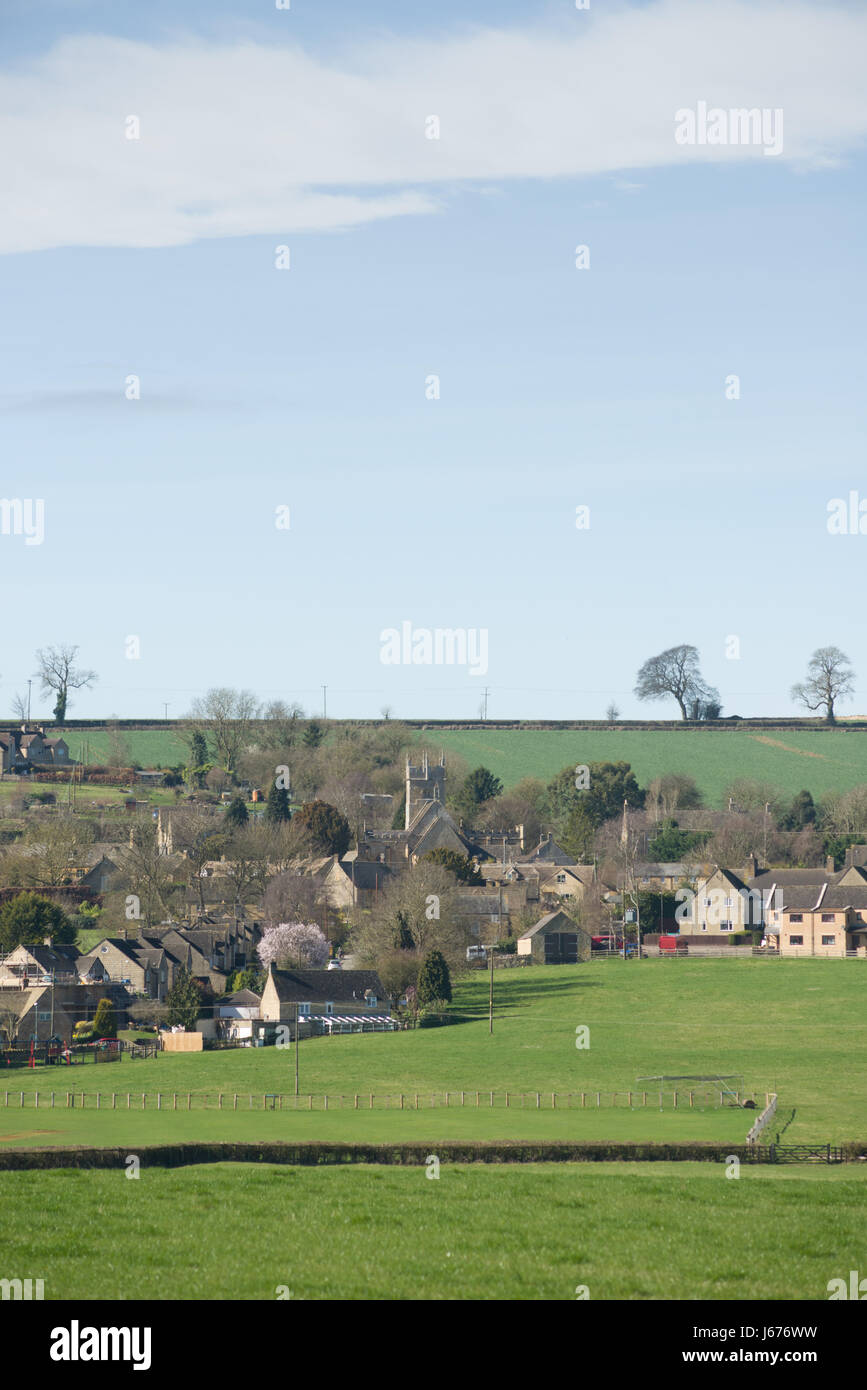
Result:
[[243, 138]]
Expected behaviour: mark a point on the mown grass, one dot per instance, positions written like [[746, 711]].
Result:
[[798, 1027], [536, 1232]]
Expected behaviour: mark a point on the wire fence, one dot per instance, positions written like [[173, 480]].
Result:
[[703, 1098]]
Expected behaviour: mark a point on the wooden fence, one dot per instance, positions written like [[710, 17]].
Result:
[[767, 1114], [407, 1100]]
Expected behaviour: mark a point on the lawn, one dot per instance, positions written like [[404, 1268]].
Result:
[[535, 1232], [798, 1027]]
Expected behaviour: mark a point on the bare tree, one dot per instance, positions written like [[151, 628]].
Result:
[[675, 672], [226, 716], [19, 706], [10, 1023], [829, 678], [58, 673]]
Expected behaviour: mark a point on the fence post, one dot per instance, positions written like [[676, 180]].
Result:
[[127, 1100], [52, 1100], [477, 1098], [583, 1100], [143, 1101], [159, 1100], [371, 1102], [462, 1097], [553, 1101], [538, 1100], [690, 1100], [401, 1101], [309, 1102], [220, 1101], [97, 1100], [234, 1102], [326, 1102], [675, 1100], [355, 1107], [114, 1100], [598, 1102], [629, 1099], [22, 1100], [507, 1100], [492, 1100], [174, 1100], [36, 1100]]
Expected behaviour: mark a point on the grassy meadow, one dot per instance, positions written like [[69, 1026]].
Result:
[[795, 1026], [524, 1233]]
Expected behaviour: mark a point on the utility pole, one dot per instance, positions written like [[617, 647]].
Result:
[[166, 704], [325, 702], [491, 995], [485, 706], [29, 684], [297, 1040]]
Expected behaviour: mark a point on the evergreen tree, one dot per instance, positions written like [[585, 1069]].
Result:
[[104, 1023], [434, 981], [403, 940], [184, 1001], [28, 919], [313, 734], [278, 808], [236, 813], [328, 829]]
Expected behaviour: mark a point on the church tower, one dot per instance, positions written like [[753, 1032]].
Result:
[[424, 783]]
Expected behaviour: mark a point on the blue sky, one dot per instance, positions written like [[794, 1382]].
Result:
[[306, 387]]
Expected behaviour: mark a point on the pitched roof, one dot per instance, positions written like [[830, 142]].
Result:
[[337, 986], [566, 924]]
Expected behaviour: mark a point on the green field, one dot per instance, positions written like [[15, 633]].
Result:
[[820, 760], [795, 1026], [535, 1232]]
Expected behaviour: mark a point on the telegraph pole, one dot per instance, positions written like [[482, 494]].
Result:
[[491, 995], [297, 1040]]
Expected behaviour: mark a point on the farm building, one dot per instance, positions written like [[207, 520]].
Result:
[[555, 940]]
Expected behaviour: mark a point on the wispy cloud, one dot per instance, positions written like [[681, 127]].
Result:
[[248, 139]]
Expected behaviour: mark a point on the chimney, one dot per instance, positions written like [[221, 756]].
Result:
[[46, 941], [752, 866], [829, 864]]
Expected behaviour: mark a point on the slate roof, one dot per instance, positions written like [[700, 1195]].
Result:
[[337, 986], [566, 924]]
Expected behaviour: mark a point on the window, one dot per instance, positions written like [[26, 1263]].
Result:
[[796, 917], [796, 941], [725, 926], [44, 1018], [829, 940], [329, 1008], [827, 916], [728, 902], [303, 1010]]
